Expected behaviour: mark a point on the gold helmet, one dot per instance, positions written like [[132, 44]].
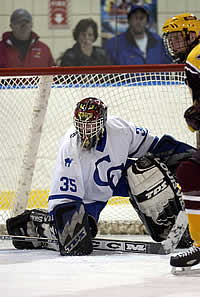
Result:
[[184, 23]]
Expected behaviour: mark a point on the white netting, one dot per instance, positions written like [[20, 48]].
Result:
[[156, 101]]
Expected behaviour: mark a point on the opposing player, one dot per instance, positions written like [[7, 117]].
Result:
[[91, 167], [181, 36]]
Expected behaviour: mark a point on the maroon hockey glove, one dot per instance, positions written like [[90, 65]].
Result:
[[192, 117]]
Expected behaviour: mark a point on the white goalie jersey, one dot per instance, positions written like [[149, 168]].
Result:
[[92, 175]]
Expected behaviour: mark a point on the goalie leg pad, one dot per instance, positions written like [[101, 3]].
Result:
[[155, 195], [73, 230]]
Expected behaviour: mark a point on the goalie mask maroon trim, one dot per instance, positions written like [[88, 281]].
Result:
[[89, 120]]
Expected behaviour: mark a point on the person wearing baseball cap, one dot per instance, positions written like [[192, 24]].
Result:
[[20, 15], [21, 46], [138, 45], [143, 8]]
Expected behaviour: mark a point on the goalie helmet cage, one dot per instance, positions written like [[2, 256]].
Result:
[[37, 106]]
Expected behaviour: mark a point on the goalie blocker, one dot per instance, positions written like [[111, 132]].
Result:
[[155, 196]]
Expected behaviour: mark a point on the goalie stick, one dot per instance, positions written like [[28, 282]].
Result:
[[102, 244], [127, 246], [176, 233]]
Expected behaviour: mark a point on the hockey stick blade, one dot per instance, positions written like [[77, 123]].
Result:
[[176, 233]]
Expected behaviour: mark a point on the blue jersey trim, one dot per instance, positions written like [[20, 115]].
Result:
[[153, 144], [54, 197]]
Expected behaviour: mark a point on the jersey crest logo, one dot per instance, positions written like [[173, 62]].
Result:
[[68, 162], [111, 172]]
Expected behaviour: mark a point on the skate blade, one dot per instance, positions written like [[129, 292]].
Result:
[[185, 271]]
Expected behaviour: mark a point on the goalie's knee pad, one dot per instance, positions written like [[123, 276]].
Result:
[[73, 230]]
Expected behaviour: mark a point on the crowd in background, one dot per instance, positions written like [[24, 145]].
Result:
[[21, 46]]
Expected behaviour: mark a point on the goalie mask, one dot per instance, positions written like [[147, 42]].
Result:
[[180, 34], [89, 120]]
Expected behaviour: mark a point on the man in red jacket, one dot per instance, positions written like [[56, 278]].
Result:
[[21, 46]]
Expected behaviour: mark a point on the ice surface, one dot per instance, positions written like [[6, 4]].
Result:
[[42, 273]]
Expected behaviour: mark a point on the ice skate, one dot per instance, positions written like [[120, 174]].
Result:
[[182, 263]]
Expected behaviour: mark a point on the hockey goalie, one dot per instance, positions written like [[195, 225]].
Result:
[[154, 194], [99, 158]]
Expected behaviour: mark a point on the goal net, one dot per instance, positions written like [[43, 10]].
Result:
[[37, 108]]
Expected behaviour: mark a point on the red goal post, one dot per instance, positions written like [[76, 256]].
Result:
[[37, 107]]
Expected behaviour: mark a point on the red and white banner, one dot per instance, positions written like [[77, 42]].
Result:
[[58, 14]]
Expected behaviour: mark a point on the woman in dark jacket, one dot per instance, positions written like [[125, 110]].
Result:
[[83, 52]]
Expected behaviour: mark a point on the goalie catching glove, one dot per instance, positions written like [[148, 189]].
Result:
[[32, 223], [155, 195]]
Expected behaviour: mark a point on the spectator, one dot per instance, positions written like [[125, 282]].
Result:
[[21, 46], [83, 52], [137, 45]]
